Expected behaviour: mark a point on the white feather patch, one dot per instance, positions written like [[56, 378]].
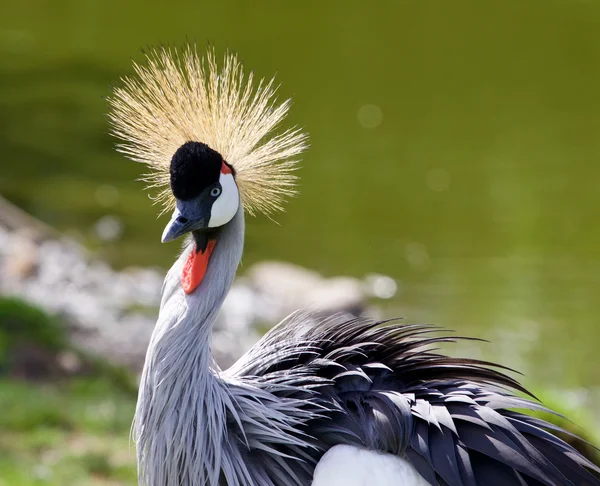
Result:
[[226, 205], [345, 465]]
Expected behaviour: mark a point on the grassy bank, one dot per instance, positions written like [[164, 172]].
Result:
[[59, 424], [71, 433]]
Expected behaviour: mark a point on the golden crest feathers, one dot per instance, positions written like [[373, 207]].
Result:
[[177, 97]]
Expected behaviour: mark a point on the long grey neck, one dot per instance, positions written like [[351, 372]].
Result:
[[185, 321], [178, 394]]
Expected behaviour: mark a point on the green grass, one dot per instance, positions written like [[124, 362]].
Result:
[[20, 324], [75, 432], [60, 429]]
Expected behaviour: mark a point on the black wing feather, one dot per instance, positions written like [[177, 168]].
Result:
[[381, 385]]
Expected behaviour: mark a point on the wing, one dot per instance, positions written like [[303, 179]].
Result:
[[382, 386]]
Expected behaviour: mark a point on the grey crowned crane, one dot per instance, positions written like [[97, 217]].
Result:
[[335, 401]]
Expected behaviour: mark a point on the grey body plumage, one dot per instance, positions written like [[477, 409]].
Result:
[[310, 384]]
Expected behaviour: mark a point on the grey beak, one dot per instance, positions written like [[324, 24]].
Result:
[[175, 227], [184, 220]]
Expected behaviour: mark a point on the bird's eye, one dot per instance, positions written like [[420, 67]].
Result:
[[216, 192]]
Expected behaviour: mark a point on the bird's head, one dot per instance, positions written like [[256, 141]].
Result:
[[206, 132], [203, 185]]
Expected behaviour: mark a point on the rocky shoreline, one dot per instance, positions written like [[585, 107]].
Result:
[[111, 313]]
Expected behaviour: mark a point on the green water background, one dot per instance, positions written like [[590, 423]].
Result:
[[454, 147]]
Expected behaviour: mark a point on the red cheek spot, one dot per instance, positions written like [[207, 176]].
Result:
[[225, 169], [195, 268]]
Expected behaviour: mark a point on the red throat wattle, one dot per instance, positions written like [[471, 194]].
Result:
[[195, 268]]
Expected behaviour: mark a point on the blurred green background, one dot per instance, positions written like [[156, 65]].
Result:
[[454, 147]]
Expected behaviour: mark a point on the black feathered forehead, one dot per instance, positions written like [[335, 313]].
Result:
[[194, 167]]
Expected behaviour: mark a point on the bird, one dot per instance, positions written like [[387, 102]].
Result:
[[327, 401]]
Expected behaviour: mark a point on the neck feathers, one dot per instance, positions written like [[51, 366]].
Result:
[[180, 415]]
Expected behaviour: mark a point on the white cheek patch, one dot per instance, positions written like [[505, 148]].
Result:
[[226, 205]]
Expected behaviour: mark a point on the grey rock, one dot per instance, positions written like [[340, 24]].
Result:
[[112, 313]]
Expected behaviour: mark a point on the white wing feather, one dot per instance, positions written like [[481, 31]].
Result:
[[345, 465]]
